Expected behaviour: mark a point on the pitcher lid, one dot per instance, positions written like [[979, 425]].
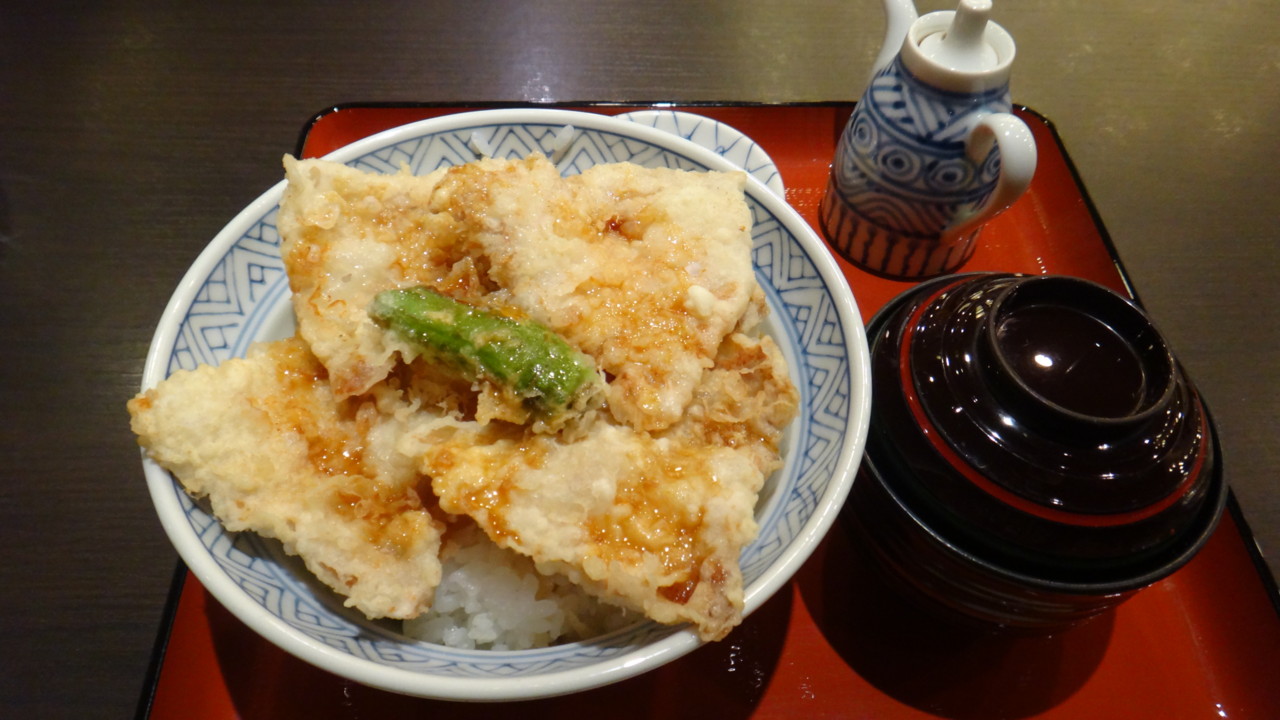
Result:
[[959, 50]]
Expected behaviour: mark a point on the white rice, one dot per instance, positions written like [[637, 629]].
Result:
[[494, 599]]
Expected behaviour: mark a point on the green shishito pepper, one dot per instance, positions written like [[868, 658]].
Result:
[[531, 360]]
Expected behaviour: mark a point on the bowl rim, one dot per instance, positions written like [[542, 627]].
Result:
[[624, 665]]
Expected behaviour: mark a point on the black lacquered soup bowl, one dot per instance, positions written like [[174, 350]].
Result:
[[1036, 453]]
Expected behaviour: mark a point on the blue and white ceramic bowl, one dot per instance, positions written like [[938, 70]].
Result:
[[237, 293]]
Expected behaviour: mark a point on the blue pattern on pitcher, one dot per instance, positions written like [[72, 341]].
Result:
[[932, 151], [901, 163]]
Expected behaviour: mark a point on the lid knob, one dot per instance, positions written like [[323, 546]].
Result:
[[963, 46]]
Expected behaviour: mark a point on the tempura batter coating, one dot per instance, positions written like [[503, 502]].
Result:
[[647, 270], [653, 522], [344, 441], [346, 235], [267, 441]]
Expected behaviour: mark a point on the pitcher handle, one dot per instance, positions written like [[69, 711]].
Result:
[[1017, 165]]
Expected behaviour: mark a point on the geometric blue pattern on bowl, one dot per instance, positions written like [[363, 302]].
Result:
[[727, 141], [237, 293]]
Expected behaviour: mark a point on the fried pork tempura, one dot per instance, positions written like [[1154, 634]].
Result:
[[646, 270], [655, 522], [277, 453], [334, 441], [346, 235]]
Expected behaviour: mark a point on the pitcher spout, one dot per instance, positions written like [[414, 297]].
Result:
[[898, 16]]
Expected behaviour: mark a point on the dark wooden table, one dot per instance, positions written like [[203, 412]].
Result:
[[130, 132]]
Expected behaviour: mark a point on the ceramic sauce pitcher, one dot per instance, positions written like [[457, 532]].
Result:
[[931, 151]]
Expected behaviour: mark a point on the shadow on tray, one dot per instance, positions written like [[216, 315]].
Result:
[[934, 665]]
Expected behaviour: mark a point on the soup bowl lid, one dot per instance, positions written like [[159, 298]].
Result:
[[1043, 417]]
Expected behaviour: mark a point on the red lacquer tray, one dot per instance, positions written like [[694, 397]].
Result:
[[1204, 643]]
